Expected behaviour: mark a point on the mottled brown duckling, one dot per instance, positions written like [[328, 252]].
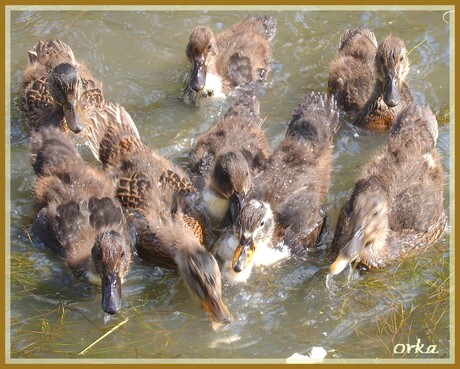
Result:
[[80, 219], [397, 204], [372, 93], [58, 89], [156, 191], [287, 196], [232, 58], [227, 155]]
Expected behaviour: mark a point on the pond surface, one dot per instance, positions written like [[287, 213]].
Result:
[[287, 308]]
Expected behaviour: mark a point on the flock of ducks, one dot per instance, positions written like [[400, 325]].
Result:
[[143, 204]]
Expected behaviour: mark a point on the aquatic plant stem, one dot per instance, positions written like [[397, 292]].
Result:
[[104, 335]]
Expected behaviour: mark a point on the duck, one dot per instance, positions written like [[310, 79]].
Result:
[[283, 214], [368, 80], [396, 207], [227, 156], [158, 194], [58, 89], [78, 216], [235, 57]]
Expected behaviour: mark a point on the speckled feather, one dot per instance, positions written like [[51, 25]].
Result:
[[37, 105]]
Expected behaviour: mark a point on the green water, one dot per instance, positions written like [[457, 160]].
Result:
[[287, 308]]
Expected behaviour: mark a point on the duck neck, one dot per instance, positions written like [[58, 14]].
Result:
[[55, 118]]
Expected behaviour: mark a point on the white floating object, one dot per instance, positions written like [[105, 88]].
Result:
[[317, 354]]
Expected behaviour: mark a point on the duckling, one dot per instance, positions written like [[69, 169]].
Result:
[[79, 217], [352, 73], [228, 155], [157, 193], [235, 57], [286, 197], [396, 207], [58, 89]]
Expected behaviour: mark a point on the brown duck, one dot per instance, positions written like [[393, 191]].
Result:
[[79, 217], [227, 155], [58, 90], [287, 196], [397, 204], [157, 193], [369, 80], [234, 57]]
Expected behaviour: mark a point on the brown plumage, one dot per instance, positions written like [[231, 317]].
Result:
[[58, 90], [369, 80], [228, 155], [287, 196], [79, 217], [351, 76], [158, 195], [397, 203], [234, 57]]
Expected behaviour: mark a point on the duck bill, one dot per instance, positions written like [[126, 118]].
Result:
[[349, 253], [236, 204], [198, 79], [243, 254], [391, 96], [74, 116], [217, 310], [111, 293]]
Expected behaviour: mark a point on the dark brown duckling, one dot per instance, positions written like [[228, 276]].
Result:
[[157, 193], [352, 74], [80, 219], [397, 204], [228, 155], [58, 90], [287, 196], [235, 57]]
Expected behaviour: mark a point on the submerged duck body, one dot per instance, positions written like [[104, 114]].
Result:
[[58, 90], [232, 58], [79, 217], [397, 204], [369, 80], [156, 192], [228, 155], [286, 197]]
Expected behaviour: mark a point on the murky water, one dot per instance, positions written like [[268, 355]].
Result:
[[139, 56]]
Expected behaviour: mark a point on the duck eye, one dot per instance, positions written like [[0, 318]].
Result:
[[262, 223]]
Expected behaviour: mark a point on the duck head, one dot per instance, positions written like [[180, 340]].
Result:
[[231, 178], [201, 49], [66, 86], [256, 227], [202, 276], [111, 256], [392, 67], [369, 222]]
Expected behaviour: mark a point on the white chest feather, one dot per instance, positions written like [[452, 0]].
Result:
[[216, 206], [213, 86], [267, 255]]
